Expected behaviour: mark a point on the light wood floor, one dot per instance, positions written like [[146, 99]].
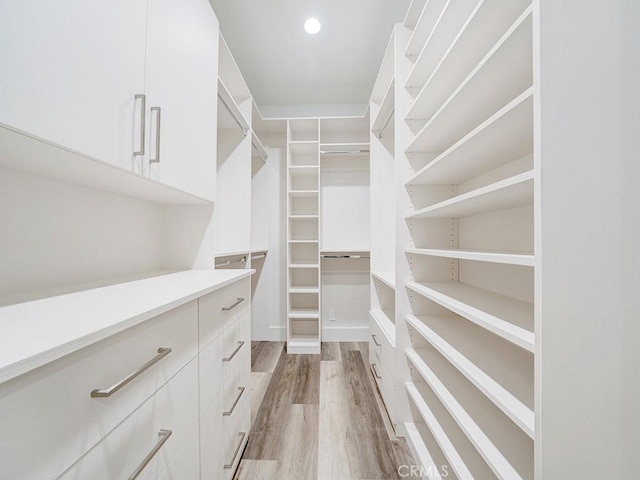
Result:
[[318, 417]]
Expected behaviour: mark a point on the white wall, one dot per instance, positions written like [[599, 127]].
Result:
[[588, 328]]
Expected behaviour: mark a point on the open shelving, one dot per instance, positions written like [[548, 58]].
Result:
[[430, 14], [505, 448], [479, 95], [508, 258]]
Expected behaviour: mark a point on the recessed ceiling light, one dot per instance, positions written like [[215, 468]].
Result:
[[312, 26]]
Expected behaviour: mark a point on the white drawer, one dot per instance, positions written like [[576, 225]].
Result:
[[210, 372], [236, 364], [184, 465], [173, 408], [220, 308], [212, 440], [53, 402], [375, 341], [236, 434]]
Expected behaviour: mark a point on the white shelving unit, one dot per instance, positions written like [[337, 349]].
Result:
[[465, 314], [303, 236]]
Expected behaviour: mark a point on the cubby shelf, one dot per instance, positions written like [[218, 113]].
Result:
[[506, 317], [303, 265], [447, 25], [506, 135], [440, 73], [479, 96], [303, 217], [446, 445], [481, 422], [25, 152], [295, 290], [507, 258], [386, 277], [299, 314], [303, 241], [512, 192], [487, 358], [386, 110], [303, 193]]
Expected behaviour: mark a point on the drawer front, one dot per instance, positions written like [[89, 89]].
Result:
[[218, 309], [212, 440], [184, 465], [53, 402], [375, 342], [236, 435], [173, 408], [236, 364], [210, 373]]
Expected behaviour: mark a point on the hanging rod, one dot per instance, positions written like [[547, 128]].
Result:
[[342, 152], [344, 256], [233, 115], [262, 155], [386, 123], [242, 259]]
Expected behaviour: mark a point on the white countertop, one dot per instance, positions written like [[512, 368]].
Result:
[[35, 333]]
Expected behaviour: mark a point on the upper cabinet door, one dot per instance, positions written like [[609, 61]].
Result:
[[181, 80], [69, 71]]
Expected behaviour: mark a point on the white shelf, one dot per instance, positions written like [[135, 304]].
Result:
[[258, 147], [419, 448], [440, 73], [38, 332], [386, 110], [386, 325], [230, 116], [302, 314], [229, 72], [507, 135], [232, 254], [453, 17], [464, 406], [386, 72], [512, 192], [304, 217], [496, 369], [521, 259], [506, 317], [304, 290], [304, 265], [388, 278], [303, 193], [27, 153], [479, 96], [413, 13], [439, 433], [304, 169], [344, 148], [303, 241], [429, 18]]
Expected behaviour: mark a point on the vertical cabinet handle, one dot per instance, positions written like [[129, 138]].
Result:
[[143, 111], [235, 402], [107, 392], [375, 340], [158, 111], [375, 371], [233, 354], [241, 436], [163, 436]]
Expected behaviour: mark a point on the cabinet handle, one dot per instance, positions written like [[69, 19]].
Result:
[[233, 354], [143, 112], [235, 454], [163, 437], [107, 392], [375, 371], [235, 402], [158, 111], [375, 340], [231, 307]]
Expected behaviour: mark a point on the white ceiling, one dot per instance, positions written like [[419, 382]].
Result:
[[289, 71]]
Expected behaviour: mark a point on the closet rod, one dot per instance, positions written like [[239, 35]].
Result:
[[386, 123], [344, 256], [233, 115], [242, 259], [263, 157], [342, 152]]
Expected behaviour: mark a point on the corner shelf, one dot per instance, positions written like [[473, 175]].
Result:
[[27, 153], [506, 317]]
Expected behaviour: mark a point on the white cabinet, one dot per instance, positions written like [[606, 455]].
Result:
[[69, 71], [180, 85]]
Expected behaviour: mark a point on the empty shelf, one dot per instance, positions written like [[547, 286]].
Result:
[[387, 278], [496, 439], [512, 192], [419, 447], [303, 193], [503, 372], [505, 136], [303, 217], [509, 318], [413, 13], [301, 313], [303, 265], [303, 241], [304, 290], [429, 17], [522, 259]]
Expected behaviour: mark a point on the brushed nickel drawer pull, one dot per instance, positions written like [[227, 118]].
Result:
[[107, 392], [235, 402], [233, 354], [375, 371], [163, 436], [235, 454], [231, 307], [375, 340]]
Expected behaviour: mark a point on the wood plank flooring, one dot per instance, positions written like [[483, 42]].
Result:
[[318, 417]]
